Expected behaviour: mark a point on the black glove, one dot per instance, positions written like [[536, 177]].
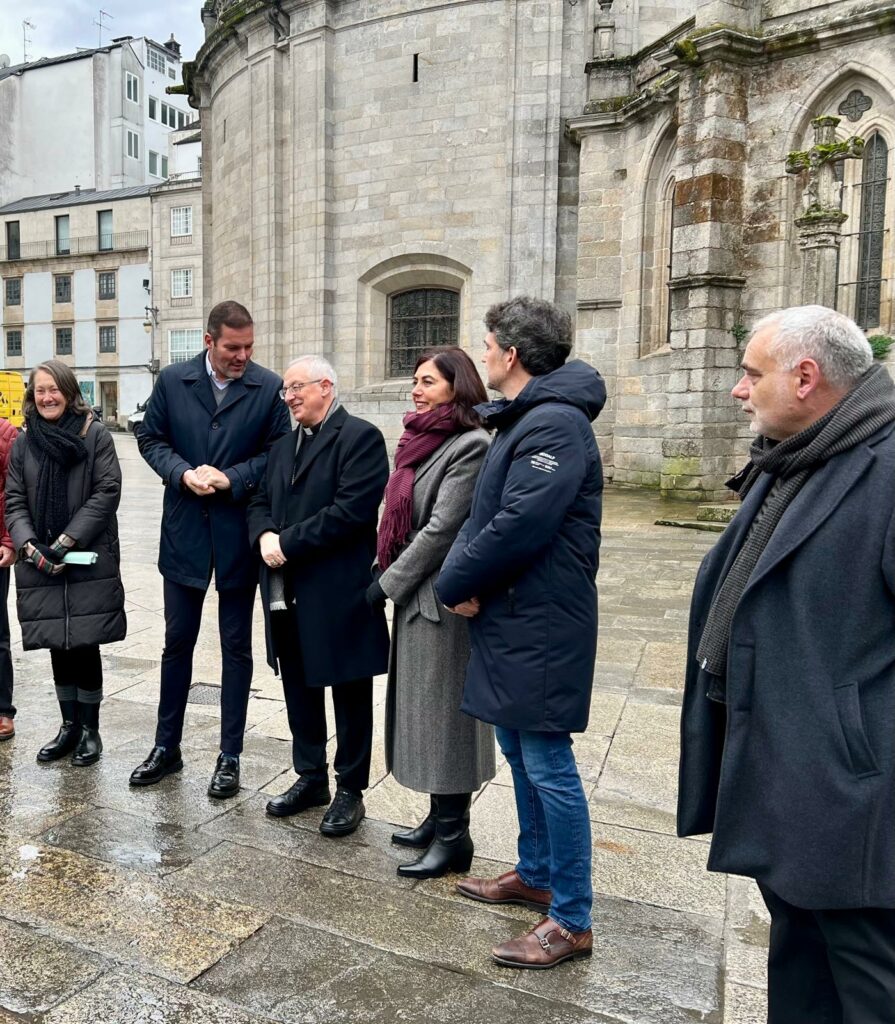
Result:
[[45, 559], [375, 595]]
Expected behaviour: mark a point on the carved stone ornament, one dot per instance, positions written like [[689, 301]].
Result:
[[855, 105]]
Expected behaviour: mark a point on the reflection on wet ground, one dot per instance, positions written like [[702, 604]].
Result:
[[162, 906]]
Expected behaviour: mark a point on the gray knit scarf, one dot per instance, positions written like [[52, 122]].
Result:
[[868, 407]]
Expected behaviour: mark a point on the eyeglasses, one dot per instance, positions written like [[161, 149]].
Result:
[[296, 389]]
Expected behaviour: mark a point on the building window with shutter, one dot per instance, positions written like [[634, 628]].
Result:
[[108, 338], [14, 343], [62, 288], [13, 291], [105, 284], [63, 341]]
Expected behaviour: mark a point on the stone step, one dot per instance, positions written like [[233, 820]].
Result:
[[720, 512], [692, 524]]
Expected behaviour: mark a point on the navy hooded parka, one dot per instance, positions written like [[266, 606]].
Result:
[[529, 552]]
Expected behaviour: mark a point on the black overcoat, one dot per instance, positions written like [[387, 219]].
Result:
[[796, 777], [327, 526], [529, 552], [184, 428], [83, 605]]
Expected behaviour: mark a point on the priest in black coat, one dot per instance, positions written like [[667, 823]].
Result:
[[313, 520]]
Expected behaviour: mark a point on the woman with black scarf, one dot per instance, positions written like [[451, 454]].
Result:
[[62, 491]]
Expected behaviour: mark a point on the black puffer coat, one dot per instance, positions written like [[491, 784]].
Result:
[[83, 604], [529, 553]]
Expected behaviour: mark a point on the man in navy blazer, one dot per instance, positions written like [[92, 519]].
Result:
[[787, 738], [207, 430]]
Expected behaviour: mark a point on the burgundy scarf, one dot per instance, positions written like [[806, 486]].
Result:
[[424, 432]]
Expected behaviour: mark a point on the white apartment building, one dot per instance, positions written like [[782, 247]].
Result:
[[97, 119], [76, 285], [177, 312]]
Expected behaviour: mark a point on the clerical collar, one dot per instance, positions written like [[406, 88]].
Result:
[[312, 431], [220, 385]]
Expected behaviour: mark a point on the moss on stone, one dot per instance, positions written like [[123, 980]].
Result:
[[686, 50]]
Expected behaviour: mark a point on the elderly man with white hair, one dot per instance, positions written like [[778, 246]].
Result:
[[313, 521], [788, 730]]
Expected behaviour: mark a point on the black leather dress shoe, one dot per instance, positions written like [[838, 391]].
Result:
[[345, 813], [225, 780], [89, 747], [302, 794], [65, 742], [161, 762]]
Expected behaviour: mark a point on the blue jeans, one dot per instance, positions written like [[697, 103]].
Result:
[[554, 823]]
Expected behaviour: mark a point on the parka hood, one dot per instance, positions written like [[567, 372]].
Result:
[[575, 383]]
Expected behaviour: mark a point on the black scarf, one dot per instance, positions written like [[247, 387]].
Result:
[[57, 446], [868, 407]]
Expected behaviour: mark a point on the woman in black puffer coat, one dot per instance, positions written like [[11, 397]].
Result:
[[62, 491]]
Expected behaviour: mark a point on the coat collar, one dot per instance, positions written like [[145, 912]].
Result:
[[440, 452], [196, 374], [326, 437], [822, 494]]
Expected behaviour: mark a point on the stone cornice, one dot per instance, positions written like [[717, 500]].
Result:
[[721, 43], [655, 48], [632, 109], [599, 304], [707, 281]]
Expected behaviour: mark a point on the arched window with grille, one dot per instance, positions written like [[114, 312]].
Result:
[[657, 249], [417, 320], [874, 181]]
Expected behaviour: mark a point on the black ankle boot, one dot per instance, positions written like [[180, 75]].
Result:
[[451, 849], [67, 738], [89, 747], [420, 837]]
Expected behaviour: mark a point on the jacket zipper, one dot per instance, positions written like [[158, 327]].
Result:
[[67, 616]]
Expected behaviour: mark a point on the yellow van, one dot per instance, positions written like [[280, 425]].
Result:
[[12, 394]]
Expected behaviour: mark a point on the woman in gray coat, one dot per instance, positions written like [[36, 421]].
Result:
[[62, 491], [431, 746]]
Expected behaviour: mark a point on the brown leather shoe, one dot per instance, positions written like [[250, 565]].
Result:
[[546, 945], [7, 728], [506, 888]]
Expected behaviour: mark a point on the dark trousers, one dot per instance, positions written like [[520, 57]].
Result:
[[306, 711], [183, 616], [80, 668], [6, 705], [830, 966]]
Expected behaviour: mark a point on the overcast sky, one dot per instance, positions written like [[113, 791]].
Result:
[[61, 27]]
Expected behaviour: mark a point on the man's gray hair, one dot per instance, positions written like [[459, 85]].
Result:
[[831, 339], [318, 368]]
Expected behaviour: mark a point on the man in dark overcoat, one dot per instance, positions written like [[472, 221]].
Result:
[[523, 569], [787, 740], [313, 520], [207, 431]]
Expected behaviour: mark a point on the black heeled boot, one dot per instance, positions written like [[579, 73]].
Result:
[[451, 849], [90, 746], [420, 837], [67, 738]]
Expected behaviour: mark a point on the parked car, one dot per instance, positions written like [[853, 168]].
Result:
[[136, 417]]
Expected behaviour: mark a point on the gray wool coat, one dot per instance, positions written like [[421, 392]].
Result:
[[430, 745]]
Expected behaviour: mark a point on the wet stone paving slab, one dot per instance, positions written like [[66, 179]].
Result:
[[164, 906]]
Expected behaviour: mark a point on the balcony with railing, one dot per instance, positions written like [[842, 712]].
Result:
[[122, 241]]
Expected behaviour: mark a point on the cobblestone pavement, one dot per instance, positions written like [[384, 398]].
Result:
[[163, 906]]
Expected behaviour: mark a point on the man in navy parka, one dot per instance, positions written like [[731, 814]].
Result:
[[523, 571]]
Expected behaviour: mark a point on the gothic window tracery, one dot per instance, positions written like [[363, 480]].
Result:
[[872, 229]]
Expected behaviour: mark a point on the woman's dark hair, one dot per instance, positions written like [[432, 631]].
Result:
[[65, 380], [459, 371]]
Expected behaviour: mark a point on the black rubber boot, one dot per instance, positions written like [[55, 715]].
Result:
[[67, 738], [420, 837], [90, 746], [451, 849]]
